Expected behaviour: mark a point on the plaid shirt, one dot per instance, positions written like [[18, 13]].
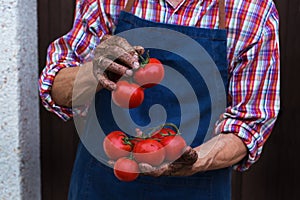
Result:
[[253, 57]]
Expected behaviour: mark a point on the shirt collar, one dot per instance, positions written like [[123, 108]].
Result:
[[179, 3]]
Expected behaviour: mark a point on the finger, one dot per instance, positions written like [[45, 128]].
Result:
[[113, 76], [190, 156], [146, 168], [121, 42], [173, 169], [139, 49], [127, 58], [175, 166], [124, 44], [184, 170], [105, 82], [149, 170], [119, 69], [111, 163], [102, 63], [139, 132]]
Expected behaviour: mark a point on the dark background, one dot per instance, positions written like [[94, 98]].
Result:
[[276, 174]]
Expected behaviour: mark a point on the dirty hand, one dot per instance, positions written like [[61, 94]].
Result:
[[114, 56], [183, 166]]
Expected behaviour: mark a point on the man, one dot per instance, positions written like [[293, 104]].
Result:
[[83, 54]]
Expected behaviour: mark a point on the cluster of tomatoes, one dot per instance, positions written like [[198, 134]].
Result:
[[162, 145], [130, 93]]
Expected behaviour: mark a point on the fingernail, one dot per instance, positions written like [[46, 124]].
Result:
[[136, 65], [136, 56], [129, 72], [113, 87], [111, 163]]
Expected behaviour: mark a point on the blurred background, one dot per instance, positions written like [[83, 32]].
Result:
[[276, 174]]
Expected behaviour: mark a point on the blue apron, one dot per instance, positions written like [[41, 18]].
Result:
[[92, 179]]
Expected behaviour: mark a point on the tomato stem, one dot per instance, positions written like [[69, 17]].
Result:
[[145, 61], [126, 140], [151, 130], [173, 126]]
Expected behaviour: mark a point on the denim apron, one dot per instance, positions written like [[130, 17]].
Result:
[[91, 179]]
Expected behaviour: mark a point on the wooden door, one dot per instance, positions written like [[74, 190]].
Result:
[[276, 174], [58, 139]]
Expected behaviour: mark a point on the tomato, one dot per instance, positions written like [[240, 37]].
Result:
[[136, 140], [116, 145], [159, 134], [127, 95], [149, 151], [150, 73], [126, 169], [174, 146]]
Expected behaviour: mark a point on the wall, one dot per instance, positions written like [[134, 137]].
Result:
[[19, 112]]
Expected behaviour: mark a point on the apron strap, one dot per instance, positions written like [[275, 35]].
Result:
[[222, 16], [128, 6], [222, 21]]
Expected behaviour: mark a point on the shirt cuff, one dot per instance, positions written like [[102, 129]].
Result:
[[45, 86], [252, 139], [65, 113]]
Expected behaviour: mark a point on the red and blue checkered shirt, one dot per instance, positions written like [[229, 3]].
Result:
[[253, 56]]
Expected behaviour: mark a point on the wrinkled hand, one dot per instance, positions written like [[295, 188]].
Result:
[[114, 55], [183, 166]]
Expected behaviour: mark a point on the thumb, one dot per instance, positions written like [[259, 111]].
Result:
[[139, 49], [189, 157]]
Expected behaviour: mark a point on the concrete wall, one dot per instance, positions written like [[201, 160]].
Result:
[[19, 106]]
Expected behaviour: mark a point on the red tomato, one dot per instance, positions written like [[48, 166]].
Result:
[[126, 169], [128, 95], [136, 140], [150, 74], [149, 151], [116, 145], [174, 146], [162, 133]]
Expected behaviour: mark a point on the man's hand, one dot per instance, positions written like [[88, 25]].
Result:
[[114, 55], [183, 166]]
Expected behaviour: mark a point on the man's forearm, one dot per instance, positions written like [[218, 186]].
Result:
[[62, 87], [221, 151], [63, 92]]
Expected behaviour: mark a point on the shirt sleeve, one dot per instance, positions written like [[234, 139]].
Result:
[[254, 93], [72, 50]]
